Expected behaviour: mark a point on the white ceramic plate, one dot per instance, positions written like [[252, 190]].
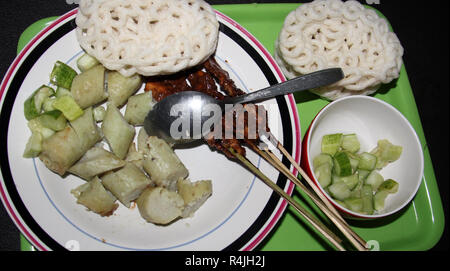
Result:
[[239, 214]]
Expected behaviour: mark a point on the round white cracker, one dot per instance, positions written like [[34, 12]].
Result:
[[331, 33], [148, 37]]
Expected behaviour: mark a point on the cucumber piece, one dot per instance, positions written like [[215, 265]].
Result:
[[331, 143], [85, 62], [43, 94], [33, 105], [34, 146], [342, 165], [321, 159], [339, 191], [60, 91], [335, 178], [29, 109], [356, 192], [350, 143], [47, 105], [351, 181], [323, 174], [354, 160], [54, 120], [362, 174], [389, 185], [367, 161], [379, 199], [67, 105], [342, 203], [354, 204], [62, 75], [36, 126], [386, 153], [354, 164], [367, 199], [374, 180]]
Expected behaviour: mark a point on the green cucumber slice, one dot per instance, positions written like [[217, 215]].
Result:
[[335, 178], [67, 105], [323, 174], [389, 185], [29, 109], [354, 204], [367, 199], [85, 62], [374, 180], [342, 165], [350, 143], [379, 199], [36, 126], [351, 181], [386, 153], [339, 191], [356, 192], [33, 105], [62, 75], [362, 174], [321, 159], [367, 161], [342, 203], [54, 120], [47, 105], [331, 143], [60, 91], [354, 164]]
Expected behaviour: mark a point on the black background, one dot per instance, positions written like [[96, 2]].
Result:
[[422, 27]]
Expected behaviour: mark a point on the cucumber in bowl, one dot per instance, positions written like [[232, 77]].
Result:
[[352, 176]]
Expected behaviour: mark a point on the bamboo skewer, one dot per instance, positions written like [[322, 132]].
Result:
[[321, 196], [337, 220], [311, 219], [362, 244]]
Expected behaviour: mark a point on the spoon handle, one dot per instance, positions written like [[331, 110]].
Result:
[[308, 81]]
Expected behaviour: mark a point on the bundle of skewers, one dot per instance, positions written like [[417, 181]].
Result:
[[204, 79]]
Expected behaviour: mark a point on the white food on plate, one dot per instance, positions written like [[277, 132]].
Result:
[[159, 205], [95, 197], [118, 133], [61, 150], [331, 33], [127, 183], [194, 194], [134, 156], [120, 88], [148, 37], [95, 162], [162, 164], [87, 87], [138, 107]]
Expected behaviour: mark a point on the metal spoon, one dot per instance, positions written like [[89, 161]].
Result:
[[192, 110]]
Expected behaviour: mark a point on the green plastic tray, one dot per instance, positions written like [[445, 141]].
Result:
[[418, 227]]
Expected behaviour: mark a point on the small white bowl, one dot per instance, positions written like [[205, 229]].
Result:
[[371, 119]]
